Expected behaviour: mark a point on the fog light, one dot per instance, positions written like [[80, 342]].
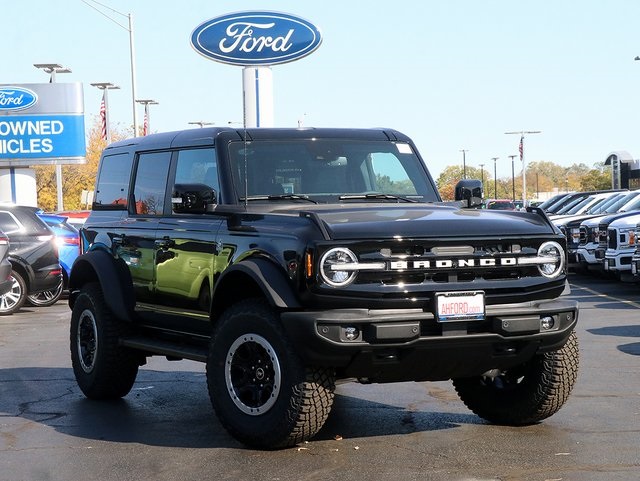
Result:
[[547, 323], [351, 333]]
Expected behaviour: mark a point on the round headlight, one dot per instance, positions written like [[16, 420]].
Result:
[[330, 265], [553, 259]]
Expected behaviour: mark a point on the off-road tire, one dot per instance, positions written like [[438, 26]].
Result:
[[526, 394], [249, 352], [103, 369], [13, 300]]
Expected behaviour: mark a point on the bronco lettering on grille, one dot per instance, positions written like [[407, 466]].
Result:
[[453, 263]]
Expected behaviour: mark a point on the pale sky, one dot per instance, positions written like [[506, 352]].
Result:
[[451, 74]]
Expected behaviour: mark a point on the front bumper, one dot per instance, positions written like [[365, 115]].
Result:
[[618, 260], [409, 344]]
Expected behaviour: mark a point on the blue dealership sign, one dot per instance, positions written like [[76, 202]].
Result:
[[41, 124], [44, 136], [256, 38]]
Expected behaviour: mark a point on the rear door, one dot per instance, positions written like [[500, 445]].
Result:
[[136, 243]]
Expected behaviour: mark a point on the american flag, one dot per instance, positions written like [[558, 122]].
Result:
[[103, 118], [145, 125], [521, 148]]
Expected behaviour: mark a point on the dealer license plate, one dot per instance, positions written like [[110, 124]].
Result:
[[634, 268], [605, 264], [460, 306]]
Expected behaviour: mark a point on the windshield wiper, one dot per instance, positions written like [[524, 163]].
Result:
[[375, 196], [280, 197]]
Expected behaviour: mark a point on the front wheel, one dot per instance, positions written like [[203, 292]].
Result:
[[525, 394], [261, 391], [103, 369]]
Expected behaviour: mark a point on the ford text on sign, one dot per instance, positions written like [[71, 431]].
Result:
[[16, 98], [256, 38]]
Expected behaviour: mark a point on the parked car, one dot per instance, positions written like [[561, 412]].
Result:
[[500, 204], [68, 241], [75, 217], [33, 254], [621, 245], [586, 256], [5, 265]]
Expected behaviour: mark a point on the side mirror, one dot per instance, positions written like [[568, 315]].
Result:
[[192, 198], [470, 192]]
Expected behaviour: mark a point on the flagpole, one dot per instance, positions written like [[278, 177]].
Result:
[[524, 167], [105, 87]]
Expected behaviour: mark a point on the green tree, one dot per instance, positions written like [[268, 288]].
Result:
[[449, 177]]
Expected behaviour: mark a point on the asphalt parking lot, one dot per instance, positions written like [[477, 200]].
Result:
[[165, 428]]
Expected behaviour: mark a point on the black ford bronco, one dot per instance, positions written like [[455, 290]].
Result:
[[286, 259]]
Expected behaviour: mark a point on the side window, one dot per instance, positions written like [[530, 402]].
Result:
[[151, 183], [113, 182], [8, 223], [198, 166]]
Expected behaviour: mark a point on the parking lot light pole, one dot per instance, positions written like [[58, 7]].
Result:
[[147, 117], [522, 133], [495, 178], [132, 52], [201, 123], [105, 87], [52, 69], [513, 179]]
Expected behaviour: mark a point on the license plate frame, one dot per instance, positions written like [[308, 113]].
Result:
[[460, 306]]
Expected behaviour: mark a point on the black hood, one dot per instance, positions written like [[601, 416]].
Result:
[[384, 221]]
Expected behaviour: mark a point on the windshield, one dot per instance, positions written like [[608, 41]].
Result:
[[329, 170]]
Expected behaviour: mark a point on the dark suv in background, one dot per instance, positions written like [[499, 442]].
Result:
[[33, 255], [5, 265]]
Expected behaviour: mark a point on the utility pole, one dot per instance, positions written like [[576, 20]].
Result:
[[464, 163], [482, 176], [524, 168]]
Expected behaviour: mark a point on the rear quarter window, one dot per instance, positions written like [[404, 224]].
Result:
[[113, 182]]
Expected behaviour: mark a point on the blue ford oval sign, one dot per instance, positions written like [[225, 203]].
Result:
[[256, 38], [16, 98]]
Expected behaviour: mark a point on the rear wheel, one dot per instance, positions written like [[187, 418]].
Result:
[[261, 391], [103, 369], [526, 394], [15, 298], [46, 298]]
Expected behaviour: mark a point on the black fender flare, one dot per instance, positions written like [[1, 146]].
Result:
[[266, 274], [113, 276]]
